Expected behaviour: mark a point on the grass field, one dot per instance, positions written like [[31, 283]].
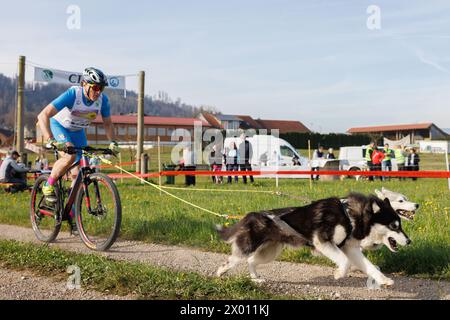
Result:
[[149, 216]]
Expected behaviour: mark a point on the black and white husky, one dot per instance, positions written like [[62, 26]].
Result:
[[405, 208], [334, 227]]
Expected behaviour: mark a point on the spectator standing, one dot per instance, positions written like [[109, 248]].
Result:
[[386, 164], [317, 156], [400, 157], [188, 165], [330, 155], [12, 172], [245, 156], [232, 161], [216, 163], [368, 157], [413, 161], [377, 159]]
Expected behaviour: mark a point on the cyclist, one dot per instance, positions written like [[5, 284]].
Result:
[[64, 120]]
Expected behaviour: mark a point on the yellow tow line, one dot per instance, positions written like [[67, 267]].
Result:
[[169, 194]]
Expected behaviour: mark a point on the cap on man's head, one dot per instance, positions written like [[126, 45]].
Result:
[[14, 153]]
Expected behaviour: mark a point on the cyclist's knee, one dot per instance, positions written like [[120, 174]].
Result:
[[69, 158]]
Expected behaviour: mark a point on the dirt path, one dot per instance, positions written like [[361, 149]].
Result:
[[282, 277], [24, 285]]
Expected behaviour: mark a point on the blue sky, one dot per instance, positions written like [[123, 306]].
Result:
[[313, 61]]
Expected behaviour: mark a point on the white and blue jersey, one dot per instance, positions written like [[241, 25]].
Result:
[[75, 113]]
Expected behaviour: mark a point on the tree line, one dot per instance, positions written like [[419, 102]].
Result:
[[330, 140], [35, 100]]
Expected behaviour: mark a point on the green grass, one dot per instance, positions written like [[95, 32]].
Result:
[[124, 278], [148, 216]]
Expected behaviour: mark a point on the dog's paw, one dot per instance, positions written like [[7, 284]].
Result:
[[258, 280], [354, 269], [386, 282], [340, 273], [220, 271]]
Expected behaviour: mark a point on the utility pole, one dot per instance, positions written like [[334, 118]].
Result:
[[20, 106], [140, 121]]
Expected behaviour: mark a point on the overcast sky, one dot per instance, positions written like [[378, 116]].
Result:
[[313, 61]]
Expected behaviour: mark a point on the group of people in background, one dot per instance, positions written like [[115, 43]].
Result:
[[378, 159], [232, 158], [318, 154]]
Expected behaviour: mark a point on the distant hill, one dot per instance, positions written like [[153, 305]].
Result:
[[160, 105]]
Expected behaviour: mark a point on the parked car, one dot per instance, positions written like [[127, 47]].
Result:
[[275, 154]]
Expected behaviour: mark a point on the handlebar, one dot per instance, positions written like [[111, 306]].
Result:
[[73, 150]]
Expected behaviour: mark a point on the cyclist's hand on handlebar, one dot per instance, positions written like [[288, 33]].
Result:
[[53, 144], [114, 147], [60, 146]]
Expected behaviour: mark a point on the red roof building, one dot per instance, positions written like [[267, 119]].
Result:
[[284, 126], [125, 127], [235, 122], [417, 131]]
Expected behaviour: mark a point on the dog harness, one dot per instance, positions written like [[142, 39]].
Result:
[[344, 203], [285, 227]]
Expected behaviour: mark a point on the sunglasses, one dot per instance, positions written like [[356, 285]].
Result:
[[96, 87]]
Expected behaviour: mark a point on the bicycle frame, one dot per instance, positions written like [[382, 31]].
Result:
[[81, 179]]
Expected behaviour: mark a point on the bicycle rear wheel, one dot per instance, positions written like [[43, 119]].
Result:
[[45, 220], [98, 213]]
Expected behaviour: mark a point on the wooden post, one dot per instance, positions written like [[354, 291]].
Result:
[[20, 106], [121, 172], [144, 166], [310, 168], [140, 121]]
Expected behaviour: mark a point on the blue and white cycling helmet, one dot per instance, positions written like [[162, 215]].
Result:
[[95, 76]]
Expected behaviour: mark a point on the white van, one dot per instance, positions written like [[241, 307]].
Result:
[[272, 154]]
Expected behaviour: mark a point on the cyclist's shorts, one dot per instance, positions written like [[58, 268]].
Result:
[[61, 134]]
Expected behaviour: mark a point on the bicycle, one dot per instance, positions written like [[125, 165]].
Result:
[[99, 224]]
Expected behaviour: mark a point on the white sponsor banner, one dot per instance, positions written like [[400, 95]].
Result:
[[402, 142], [72, 78], [434, 146]]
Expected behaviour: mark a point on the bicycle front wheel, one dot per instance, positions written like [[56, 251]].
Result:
[[98, 212]]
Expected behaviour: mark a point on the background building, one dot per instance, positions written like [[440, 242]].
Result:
[[125, 129], [416, 132], [235, 122]]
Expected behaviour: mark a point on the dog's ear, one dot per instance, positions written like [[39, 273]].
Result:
[[385, 191], [380, 194], [375, 207], [386, 200]]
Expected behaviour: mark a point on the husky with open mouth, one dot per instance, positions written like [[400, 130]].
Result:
[[333, 227], [405, 208]]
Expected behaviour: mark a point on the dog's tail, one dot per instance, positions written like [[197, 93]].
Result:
[[226, 233]]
